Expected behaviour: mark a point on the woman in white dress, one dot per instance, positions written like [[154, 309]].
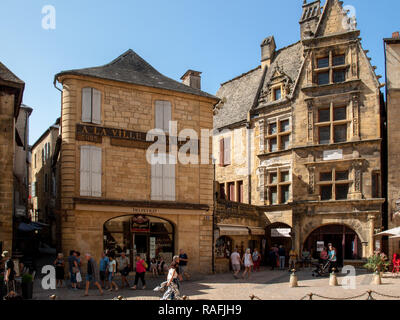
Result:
[[247, 260]]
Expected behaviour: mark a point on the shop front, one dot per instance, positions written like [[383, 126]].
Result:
[[150, 237]]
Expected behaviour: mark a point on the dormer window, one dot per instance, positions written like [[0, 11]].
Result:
[[331, 69], [277, 94]]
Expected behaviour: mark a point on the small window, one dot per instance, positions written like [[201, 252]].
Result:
[[324, 135], [285, 126], [339, 60], [278, 94], [273, 178], [285, 142], [376, 185], [340, 113], [323, 63], [285, 176], [323, 78], [341, 133], [222, 194], [339, 76], [272, 129], [342, 191], [325, 176], [342, 175], [284, 194], [326, 193], [273, 145], [324, 115], [273, 195]]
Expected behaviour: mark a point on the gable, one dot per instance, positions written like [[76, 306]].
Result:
[[333, 19]]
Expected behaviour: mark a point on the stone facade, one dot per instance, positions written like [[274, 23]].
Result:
[[126, 176], [11, 91], [312, 155], [393, 133], [45, 179]]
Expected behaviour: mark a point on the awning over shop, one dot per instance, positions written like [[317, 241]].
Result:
[[257, 231], [393, 233], [28, 227], [229, 230]]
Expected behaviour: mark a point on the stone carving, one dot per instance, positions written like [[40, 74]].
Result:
[[356, 114], [310, 122], [311, 183]]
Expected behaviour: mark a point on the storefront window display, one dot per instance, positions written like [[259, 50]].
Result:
[[223, 247]]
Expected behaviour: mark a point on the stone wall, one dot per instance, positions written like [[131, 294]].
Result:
[[6, 167]]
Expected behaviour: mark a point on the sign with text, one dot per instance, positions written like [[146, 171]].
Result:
[[333, 155], [281, 233]]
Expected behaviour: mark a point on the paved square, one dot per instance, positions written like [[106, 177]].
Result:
[[266, 285]]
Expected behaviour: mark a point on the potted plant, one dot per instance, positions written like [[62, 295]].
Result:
[[378, 263], [27, 286]]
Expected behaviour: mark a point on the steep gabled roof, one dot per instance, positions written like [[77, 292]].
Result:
[[131, 68], [237, 97], [10, 81], [7, 76]]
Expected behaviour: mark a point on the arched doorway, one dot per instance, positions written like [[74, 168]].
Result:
[[344, 239], [277, 234], [149, 236]]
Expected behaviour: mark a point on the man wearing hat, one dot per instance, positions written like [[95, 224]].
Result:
[[9, 272]]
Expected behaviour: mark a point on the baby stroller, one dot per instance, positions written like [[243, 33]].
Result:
[[322, 269], [170, 293]]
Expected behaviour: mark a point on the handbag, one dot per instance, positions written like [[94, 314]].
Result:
[[78, 277]]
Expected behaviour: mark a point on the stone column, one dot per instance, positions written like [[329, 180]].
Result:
[[371, 245]]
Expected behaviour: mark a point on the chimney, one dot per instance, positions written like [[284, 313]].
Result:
[[268, 48], [192, 79], [309, 19], [396, 35]]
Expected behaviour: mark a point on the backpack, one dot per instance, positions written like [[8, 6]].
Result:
[[145, 265]]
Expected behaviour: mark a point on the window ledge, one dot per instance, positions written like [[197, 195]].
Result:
[[331, 85]]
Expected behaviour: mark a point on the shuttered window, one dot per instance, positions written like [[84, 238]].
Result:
[[163, 180], [90, 171], [225, 152], [163, 115], [34, 189], [91, 105]]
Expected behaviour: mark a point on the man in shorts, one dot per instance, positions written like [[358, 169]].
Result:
[[103, 269], [91, 274], [183, 261], [236, 262]]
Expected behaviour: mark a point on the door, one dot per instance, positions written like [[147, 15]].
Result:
[[141, 245]]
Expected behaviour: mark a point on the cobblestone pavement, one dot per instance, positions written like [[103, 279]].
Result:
[[266, 285]]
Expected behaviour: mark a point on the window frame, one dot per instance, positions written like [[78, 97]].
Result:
[[332, 123], [279, 184], [330, 69], [279, 135], [333, 183]]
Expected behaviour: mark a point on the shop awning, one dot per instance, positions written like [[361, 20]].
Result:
[[394, 233], [257, 231], [228, 230]]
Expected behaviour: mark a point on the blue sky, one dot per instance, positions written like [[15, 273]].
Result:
[[218, 37]]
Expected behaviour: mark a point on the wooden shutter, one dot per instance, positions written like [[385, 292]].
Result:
[[241, 191], [85, 172], [169, 180], [227, 151], [96, 106], [167, 115], [232, 192], [221, 152], [156, 180], [96, 171], [159, 115], [87, 105], [33, 189]]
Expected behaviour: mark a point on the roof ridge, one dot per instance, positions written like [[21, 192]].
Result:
[[241, 76]]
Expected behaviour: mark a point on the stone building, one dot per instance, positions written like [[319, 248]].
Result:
[[45, 179], [299, 138], [392, 54], [11, 92], [111, 196]]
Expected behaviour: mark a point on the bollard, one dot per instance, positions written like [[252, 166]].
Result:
[[333, 279], [377, 279], [293, 279]]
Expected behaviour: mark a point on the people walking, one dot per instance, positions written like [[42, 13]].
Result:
[[103, 269], [112, 270], [73, 268], [236, 262], [124, 267], [92, 274], [60, 274], [292, 259], [282, 257], [9, 272], [247, 260], [183, 262], [272, 258], [141, 267], [172, 281], [79, 273], [256, 260], [332, 256], [153, 267]]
